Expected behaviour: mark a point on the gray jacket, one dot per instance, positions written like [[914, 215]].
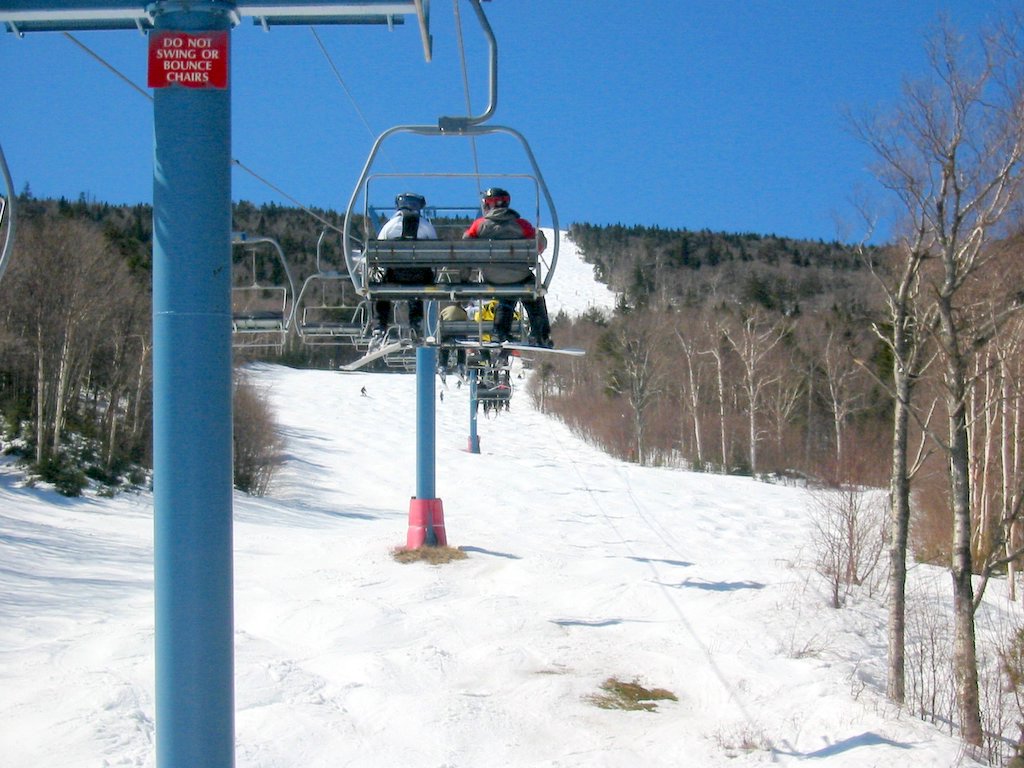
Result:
[[502, 224]]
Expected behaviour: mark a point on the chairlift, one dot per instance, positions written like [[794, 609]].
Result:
[[328, 310], [368, 258], [458, 263], [263, 299], [7, 217], [494, 389], [403, 359], [449, 222]]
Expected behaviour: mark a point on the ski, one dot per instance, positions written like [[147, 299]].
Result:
[[572, 351], [515, 347], [376, 354]]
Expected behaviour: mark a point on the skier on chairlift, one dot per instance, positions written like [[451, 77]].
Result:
[[407, 223], [500, 222]]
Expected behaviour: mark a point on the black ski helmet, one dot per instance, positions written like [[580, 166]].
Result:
[[410, 201], [495, 197]]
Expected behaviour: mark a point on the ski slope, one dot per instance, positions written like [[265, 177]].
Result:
[[579, 568], [573, 288]]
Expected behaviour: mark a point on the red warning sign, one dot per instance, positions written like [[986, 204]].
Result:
[[191, 60]]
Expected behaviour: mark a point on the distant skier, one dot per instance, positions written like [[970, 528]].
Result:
[[500, 222], [363, 391]]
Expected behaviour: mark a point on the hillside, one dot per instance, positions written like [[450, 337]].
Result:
[[683, 268], [694, 365], [580, 568]]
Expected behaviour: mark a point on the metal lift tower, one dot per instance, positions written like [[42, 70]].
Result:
[[189, 70]]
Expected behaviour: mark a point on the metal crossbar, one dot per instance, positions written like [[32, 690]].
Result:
[[452, 291], [465, 257], [21, 16], [454, 254]]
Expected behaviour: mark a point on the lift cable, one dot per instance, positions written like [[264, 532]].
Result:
[[341, 81], [284, 194], [465, 88], [734, 692], [106, 64], [7, 207], [235, 161]]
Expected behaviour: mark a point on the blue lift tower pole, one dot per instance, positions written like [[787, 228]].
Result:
[[474, 407], [426, 511], [192, 419]]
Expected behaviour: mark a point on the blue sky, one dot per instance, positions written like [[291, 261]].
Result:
[[697, 114]]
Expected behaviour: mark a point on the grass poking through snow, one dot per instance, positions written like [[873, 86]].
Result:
[[629, 696], [432, 555]]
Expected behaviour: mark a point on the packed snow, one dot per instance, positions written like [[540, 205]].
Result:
[[574, 289], [579, 568]]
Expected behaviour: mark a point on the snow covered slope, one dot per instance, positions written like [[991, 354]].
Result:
[[574, 289], [579, 568]]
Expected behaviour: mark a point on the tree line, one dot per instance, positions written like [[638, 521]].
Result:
[[753, 367], [74, 362], [76, 339], [76, 351], [897, 366], [77, 333]]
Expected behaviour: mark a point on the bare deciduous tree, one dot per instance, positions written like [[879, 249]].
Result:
[[63, 286], [783, 399], [638, 372], [693, 340], [753, 338], [843, 383], [257, 445], [848, 537], [952, 153]]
